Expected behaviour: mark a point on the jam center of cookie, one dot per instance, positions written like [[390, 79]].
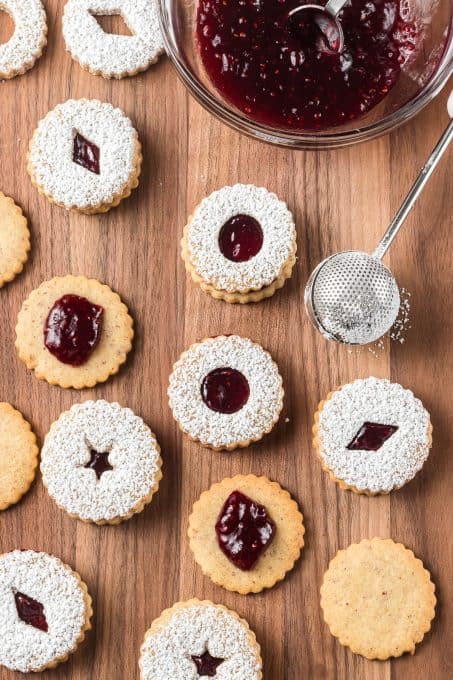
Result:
[[206, 664], [30, 611], [7, 26], [244, 530], [112, 23], [240, 238], [225, 390], [99, 462], [72, 329], [86, 154], [371, 437]]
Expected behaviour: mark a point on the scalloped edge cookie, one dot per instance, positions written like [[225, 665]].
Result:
[[15, 238], [274, 563], [34, 54], [341, 483], [350, 575], [20, 448], [237, 298], [167, 614], [110, 353]]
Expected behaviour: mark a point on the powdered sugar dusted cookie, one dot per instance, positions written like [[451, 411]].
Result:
[[378, 599], [14, 239], [85, 155], [45, 611], [240, 244], [25, 46], [246, 533], [100, 462], [18, 456], [372, 436], [197, 639], [74, 332], [113, 56], [226, 392]]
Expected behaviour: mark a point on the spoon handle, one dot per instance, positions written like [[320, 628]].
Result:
[[334, 7], [414, 193]]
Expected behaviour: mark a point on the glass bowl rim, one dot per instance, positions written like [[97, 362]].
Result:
[[304, 140]]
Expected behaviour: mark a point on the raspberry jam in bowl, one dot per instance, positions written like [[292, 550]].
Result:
[[267, 72]]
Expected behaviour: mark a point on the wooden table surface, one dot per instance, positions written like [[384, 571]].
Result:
[[340, 199]]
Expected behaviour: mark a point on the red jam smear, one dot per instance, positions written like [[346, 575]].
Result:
[[371, 437], [99, 462], [86, 154], [72, 329], [225, 390], [206, 664], [277, 73], [30, 611], [240, 238], [244, 530]]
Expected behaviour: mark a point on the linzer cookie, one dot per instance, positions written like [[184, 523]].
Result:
[[240, 244], [85, 155], [372, 436], [226, 392], [45, 611], [25, 46], [246, 533], [18, 456], [378, 599], [101, 463], [200, 639], [14, 239], [105, 54], [73, 332]]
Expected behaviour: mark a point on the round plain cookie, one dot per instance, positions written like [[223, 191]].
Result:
[[378, 599], [113, 56], [18, 456], [14, 239], [45, 611], [226, 392], [372, 436], [23, 49], [85, 155], [198, 638], [114, 339], [269, 504], [240, 244], [100, 462]]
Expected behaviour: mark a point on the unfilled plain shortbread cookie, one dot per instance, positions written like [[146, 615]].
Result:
[[85, 155], [14, 239], [74, 332], [101, 463], [226, 392], [378, 599], [372, 436], [240, 244], [113, 56], [21, 51], [246, 533], [18, 456], [197, 639], [45, 611]]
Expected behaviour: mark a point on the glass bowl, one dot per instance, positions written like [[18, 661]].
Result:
[[417, 85]]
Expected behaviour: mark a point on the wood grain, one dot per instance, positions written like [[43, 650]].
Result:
[[340, 199]]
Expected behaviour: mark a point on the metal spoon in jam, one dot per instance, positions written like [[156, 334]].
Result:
[[320, 24]]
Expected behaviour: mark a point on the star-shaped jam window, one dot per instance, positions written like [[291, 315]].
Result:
[[206, 664], [99, 462], [371, 437]]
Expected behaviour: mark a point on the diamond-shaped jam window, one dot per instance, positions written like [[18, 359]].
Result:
[[86, 154], [371, 437]]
